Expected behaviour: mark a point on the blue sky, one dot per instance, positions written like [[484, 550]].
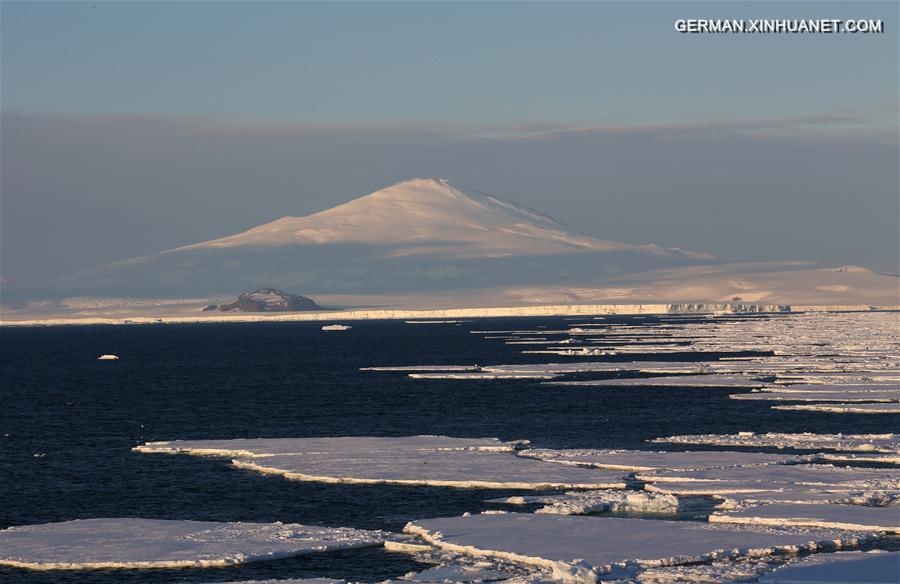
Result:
[[588, 62], [129, 128]]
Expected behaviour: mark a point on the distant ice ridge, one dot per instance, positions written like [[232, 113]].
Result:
[[157, 543], [410, 460]]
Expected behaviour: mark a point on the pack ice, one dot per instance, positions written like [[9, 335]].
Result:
[[410, 460], [580, 549], [158, 543], [875, 567]]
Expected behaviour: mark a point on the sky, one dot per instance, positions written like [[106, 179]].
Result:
[[131, 128]]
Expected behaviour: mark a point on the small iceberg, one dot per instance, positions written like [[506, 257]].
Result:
[[108, 358], [336, 327]]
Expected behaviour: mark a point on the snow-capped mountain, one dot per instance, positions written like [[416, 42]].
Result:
[[427, 216], [420, 235], [446, 245]]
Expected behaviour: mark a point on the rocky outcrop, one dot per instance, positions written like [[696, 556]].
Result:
[[268, 300]]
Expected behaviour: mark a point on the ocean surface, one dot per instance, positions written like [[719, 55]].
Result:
[[68, 423]]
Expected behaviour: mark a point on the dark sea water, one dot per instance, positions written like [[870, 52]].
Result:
[[68, 423]]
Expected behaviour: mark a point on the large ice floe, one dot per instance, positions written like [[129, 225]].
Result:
[[889, 396], [581, 549], [158, 543], [887, 443], [674, 381], [874, 567], [410, 460], [831, 515], [857, 408], [644, 460]]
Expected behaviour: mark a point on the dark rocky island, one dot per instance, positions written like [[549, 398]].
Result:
[[267, 300]]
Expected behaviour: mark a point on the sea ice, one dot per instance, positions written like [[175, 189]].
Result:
[[822, 396], [886, 443], [411, 460], [857, 408], [829, 515], [580, 549], [820, 475], [485, 375], [875, 567], [642, 460], [675, 381], [158, 543], [584, 502]]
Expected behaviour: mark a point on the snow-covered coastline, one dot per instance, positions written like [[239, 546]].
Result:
[[402, 314]]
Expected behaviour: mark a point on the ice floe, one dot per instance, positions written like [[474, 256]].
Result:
[[822, 396], [874, 567], [783, 474], [643, 460], [675, 381], [158, 543], [882, 408], [584, 502], [580, 549], [829, 515], [485, 375], [886, 443], [411, 460]]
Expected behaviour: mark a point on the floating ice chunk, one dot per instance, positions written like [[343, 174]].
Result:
[[838, 396], [488, 376], [413, 460], [423, 368], [158, 543], [887, 443], [849, 457], [456, 572], [875, 567], [836, 387], [882, 408], [642, 460], [829, 515], [584, 502], [336, 327], [676, 381], [594, 367], [289, 581], [108, 358], [783, 474], [265, 447], [579, 549]]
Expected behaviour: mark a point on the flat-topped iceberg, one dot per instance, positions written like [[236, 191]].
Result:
[[581, 548], [158, 543], [411, 460]]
